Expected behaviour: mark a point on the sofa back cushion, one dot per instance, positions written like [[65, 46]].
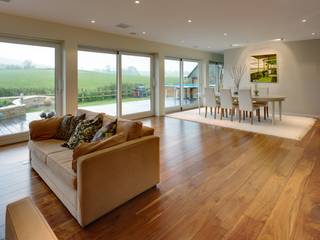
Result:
[[89, 114], [44, 129], [131, 129], [147, 131], [85, 131], [86, 148]]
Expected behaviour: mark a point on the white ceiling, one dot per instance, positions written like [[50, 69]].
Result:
[[245, 21]]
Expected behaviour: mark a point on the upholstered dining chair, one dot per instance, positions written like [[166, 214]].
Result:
[[246, 104], [226, 103], [210, 100], [264, 91]]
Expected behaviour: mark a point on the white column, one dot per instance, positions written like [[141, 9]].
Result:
[[70, 77], [159, 85]]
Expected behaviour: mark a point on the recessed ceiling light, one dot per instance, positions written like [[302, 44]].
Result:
[[225, 34], [137, 2], [304, 20], [93, 21], [235, 45], [182, 41], [313, 34], [189, 21], [277, 39], [144, 33]]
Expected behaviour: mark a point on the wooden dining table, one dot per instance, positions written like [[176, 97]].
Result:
[[273, 99]]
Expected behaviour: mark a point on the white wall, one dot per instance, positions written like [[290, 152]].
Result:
[[71, 37], [299, 73]]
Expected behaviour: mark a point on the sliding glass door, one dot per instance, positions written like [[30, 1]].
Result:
[[172, 83], [97, 81], [190, 84], [181, 84], [215, 75], [29, 84], [135, 84], [115, 83]]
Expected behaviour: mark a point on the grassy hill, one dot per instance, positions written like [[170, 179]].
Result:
[[44, 78]]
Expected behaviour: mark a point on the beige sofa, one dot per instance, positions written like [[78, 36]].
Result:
[[104, 180]]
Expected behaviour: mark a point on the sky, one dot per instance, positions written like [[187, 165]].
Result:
[[43, 56]]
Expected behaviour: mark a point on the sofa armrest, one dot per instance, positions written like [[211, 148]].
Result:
[[110, 177], [24, 221]]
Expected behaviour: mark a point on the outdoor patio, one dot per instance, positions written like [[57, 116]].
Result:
[[21, 123]]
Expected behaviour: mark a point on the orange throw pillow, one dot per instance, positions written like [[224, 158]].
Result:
[[44, 129], [86, 148]]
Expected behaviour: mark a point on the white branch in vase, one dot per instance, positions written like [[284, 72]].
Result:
[[237, 73]]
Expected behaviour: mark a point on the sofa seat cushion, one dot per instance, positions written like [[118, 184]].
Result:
[[60, 164], [41, 149]]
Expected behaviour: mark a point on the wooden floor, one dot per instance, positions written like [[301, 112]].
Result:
[[216, 183]]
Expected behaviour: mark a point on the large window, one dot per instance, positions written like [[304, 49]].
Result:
[[172, 82], [27, 84], [136, 77], [215, 74], [114, 83], [97, 81]]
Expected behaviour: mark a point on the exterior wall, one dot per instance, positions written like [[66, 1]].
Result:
[[73, 37]]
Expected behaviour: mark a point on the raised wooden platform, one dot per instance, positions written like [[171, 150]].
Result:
[[216, 183], [17, 124]]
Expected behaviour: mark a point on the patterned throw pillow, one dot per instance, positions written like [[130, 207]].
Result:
[[68, 125], [85, 131], [106, 131]]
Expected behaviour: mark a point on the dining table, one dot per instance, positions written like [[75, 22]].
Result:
[[273, 99]]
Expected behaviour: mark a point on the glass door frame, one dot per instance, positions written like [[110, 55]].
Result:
[[58, 80], [106, 51], [119, 79], [181, 106], [152, 86]]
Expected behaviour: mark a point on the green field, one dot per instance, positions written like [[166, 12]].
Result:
[[44, 78]]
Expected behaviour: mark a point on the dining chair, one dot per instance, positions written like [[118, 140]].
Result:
[[226, 103], [210, 100], [264, 91], [247, 105]]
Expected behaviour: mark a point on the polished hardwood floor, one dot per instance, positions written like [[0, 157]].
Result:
[[216, 183]]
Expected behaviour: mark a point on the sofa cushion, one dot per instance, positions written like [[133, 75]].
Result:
[[86, 148], [60, 164], [68, 125], [41, 149], [106, 131], [85, 131]]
